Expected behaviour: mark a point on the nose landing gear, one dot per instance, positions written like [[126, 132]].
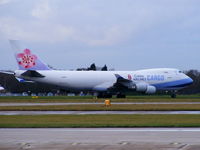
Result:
[[173, 94]]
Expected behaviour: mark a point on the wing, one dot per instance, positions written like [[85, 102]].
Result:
[[124, 83], [120, 84], [103, 86], [7, 72]]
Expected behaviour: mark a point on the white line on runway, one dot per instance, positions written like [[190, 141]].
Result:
[[106, 129], [93, 112], [131, 130]]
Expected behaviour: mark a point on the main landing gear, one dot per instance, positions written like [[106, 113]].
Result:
[[104, 95], [108, 95], [120, 95]]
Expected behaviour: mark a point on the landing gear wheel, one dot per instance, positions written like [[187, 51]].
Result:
[[173, 95], [108, 95], [104, 95]]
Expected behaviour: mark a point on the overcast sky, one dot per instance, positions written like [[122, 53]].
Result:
[[124, 34]]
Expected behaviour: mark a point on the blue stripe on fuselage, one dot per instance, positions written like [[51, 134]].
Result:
[[173, 84]]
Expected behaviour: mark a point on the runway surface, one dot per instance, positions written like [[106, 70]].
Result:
[[102, 135], [92, 103], [92, 112], [101, 138]]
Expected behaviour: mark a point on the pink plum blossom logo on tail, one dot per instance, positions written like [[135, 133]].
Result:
[[26, 59]]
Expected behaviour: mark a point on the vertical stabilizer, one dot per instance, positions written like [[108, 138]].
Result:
[[27, 60]]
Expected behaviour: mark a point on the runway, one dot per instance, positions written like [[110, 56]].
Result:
[[92, 112], [101, 138], [101, 135], [92, 103]]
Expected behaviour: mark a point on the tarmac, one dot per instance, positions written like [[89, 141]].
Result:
[[100, 138]]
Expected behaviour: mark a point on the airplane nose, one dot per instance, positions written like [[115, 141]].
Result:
[[190, 81]]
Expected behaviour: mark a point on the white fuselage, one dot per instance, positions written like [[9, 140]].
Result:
[[162, 79]]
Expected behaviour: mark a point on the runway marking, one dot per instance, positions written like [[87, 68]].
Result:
[[135, 130], [93, 112], [109, 130]]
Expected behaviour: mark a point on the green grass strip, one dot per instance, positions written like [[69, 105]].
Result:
[[52, 99], [57, 100], [61, 121], [101, 107]]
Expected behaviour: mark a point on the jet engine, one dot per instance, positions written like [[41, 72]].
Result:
[[144, 87]]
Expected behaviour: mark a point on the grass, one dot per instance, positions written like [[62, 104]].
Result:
[[56, 121], [101, 107], [78, 99]]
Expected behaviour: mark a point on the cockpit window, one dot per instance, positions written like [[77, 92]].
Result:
[[180, 71]]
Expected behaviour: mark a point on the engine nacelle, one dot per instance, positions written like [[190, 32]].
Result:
[[141, 87], [144, 87], [150, 89]]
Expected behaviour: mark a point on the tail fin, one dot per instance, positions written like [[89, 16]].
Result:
[[26, 60]]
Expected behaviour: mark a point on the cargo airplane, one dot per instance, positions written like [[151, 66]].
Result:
[[104, 83]]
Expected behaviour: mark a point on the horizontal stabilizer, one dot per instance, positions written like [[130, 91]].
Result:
[[32, 73]]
